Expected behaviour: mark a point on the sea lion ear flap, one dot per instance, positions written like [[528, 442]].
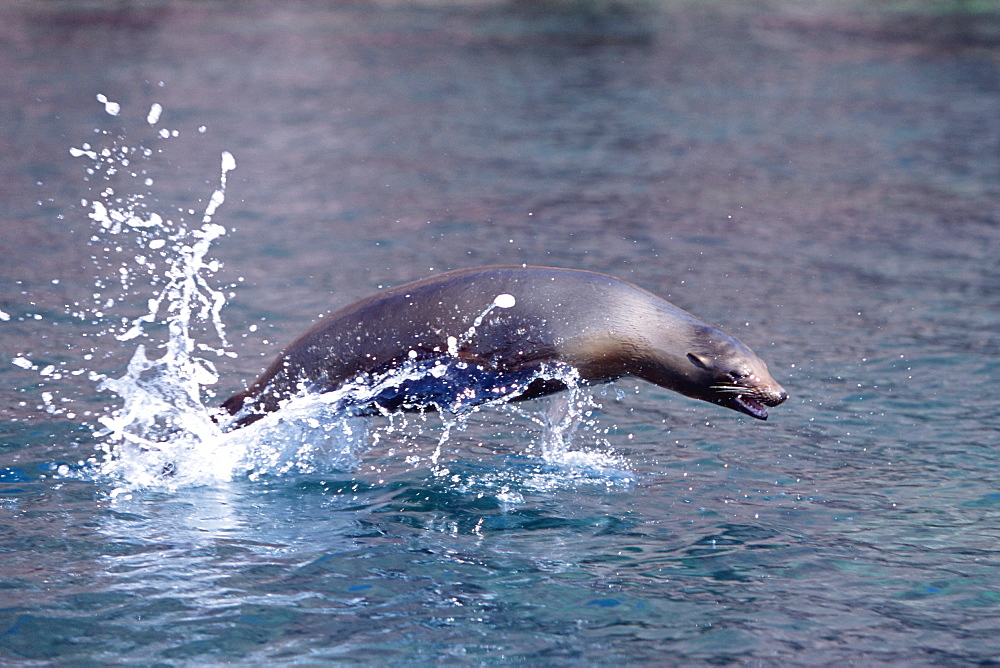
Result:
[[699, 361]]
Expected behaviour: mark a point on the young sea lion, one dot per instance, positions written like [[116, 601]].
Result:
[[494, 328]]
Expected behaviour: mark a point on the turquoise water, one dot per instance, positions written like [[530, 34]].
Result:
[[824, 191]]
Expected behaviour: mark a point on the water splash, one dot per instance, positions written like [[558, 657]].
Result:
[[163, 435], [502, 300]]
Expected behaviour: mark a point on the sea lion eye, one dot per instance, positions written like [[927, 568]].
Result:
[[698, 361], [738, 375]]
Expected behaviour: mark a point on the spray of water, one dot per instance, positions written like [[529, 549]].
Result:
[[163, 435]]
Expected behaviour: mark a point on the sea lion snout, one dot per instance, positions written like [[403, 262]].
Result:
[[767, 390], [753, 398]]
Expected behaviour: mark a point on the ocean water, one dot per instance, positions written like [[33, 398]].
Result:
[[821, 181]]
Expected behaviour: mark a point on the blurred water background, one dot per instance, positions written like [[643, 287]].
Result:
[[820, 178]]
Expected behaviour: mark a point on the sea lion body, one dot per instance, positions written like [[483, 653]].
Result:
[[503, 323]]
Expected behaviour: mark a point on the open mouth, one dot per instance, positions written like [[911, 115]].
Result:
[[748, 405]]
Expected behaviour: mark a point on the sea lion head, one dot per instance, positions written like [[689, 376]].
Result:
[[716, 367]]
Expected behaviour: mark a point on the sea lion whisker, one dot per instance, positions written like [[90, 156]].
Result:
[[736, 389]]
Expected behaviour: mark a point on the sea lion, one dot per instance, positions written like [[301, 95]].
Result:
[[493, 328]]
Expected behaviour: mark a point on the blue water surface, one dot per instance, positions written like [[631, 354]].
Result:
[[822, 182]]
